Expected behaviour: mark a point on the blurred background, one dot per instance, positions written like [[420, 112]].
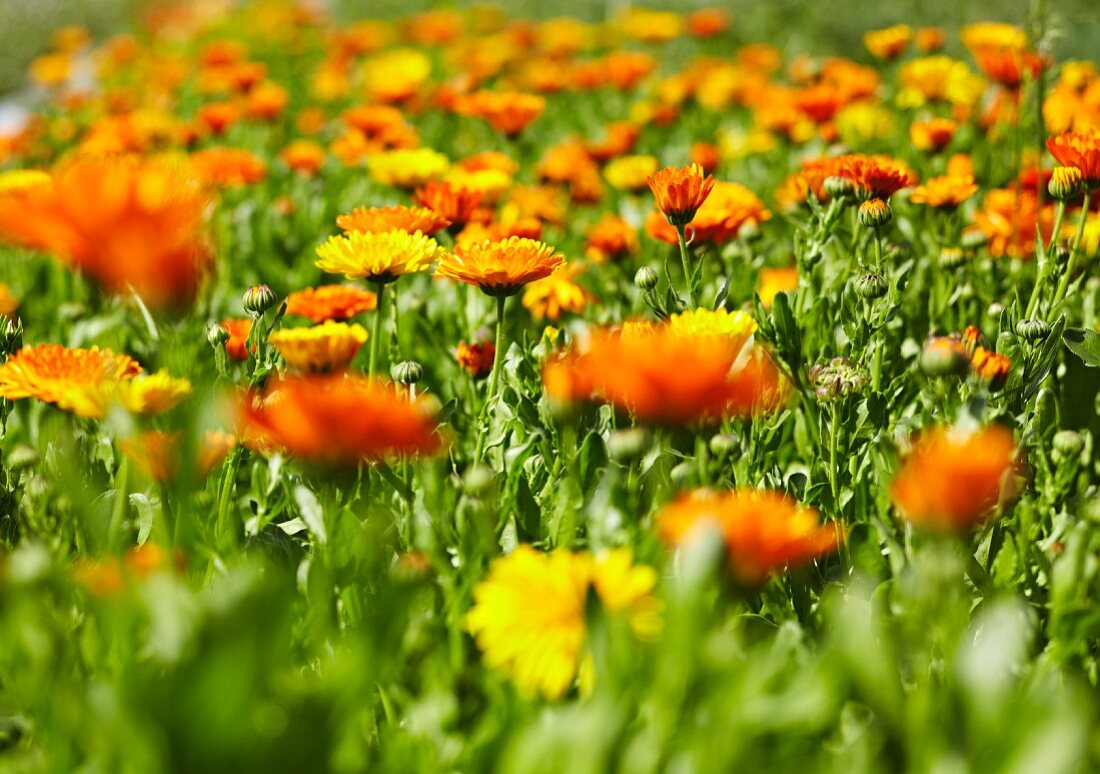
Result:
[[833, 26]]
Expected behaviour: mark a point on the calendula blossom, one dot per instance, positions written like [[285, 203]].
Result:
[[377, 257], [330, 346]]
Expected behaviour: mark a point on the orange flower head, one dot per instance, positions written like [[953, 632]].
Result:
[[64, 377], [331, 302], [500, 268], [708, 22], [476, 358], [507, 112], [889, 43], [929, 39], [932, 135], [158, 456], [450, 202], [775, 280], [763, 531], [1009, 218], [630, 369], [126, 223], [338, 420], [951, 481], [876, 177], [610, 238], [238, 329], [376, 220], [306, 157], [946, 192], [680, 192], [1080, 150], [228, 167], [729, 208], [991, 367]]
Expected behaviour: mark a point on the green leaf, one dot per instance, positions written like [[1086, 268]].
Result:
[[1085, 344]]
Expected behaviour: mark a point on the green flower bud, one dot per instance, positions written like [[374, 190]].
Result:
[[837, 187], [407, 372], [1067, 445], [724, 444], [875, 213], [1033, 329], [258, 299], [627, 445], [647, 278], [944, 356], [478, 480], [952, 257], [872, 286], [22, 457], [11, 336], [973, 239], [217, 335], [1059, 253], [1065, 183]]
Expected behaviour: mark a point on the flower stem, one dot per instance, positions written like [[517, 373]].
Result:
[[1063, 285], [122, 498], [1044, 267], [682, 239], [494, 377], [376, 334]]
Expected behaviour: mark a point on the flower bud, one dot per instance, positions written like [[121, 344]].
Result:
[[217, 335], [11, 335], [407, 372], [682, 473], [952, 257], [1065, 183], [837, 378], [749, 231], [972, 239], [1033, 329], [724, 444], [1067, 445], [837, 187], [647, 278], [534, 465], [944, 356], [872, 286], [1059, 253], [627, 445], [22, 457], [875, 213], [258, 299]]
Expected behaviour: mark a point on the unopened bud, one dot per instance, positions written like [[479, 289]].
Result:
[[407, 372], [1065, 183], [1067, 445], [972, 239], [944, 356], [724, 444], [478, 480], [258, 299], [217, 335], [1033, 329], [872, 286], [952, 257], [627, 445], [875, 213], [839, 187], [11, 335], [647, 278]]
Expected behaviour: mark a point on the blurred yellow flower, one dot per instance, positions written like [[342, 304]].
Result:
[[548, 298], [330, 346], [630, 173], [407, 168]]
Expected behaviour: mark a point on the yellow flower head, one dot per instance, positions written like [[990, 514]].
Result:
[[379, 258], [541, 646], [326, 347], [547, 298], [146, 395], [408, 168], [630, 173], [737, 326], [21, 179]]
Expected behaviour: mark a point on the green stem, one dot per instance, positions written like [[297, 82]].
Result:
[[1063, 285], [1044, 267], [376, 333], [122, 498], [494, 377], [688, 280]]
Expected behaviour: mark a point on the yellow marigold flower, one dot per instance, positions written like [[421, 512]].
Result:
[[630, 173], [146, 395], [8, 302], [736, 326], [938, 79], [944, 192], [22, 179], [500, 268], [396, 75], [61, 376], [372, 220], [983, 35], [889, 43], [379, 258], [547, 298], [489, 184], [773, 281], [541, 647], [863, 121], [51, 69], [405, 168], [329, 346]]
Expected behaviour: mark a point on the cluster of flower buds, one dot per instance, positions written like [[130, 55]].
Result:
[[836, 379]]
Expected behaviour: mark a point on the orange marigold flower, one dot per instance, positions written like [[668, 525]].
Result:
[[500, 268], [337, 420], [945, 192], [53, 374], [621, 137], [875, 177], [630, 370], [707, 22], [706, 155], [124, 222], [1009, 219], [763, 531], [930, 39], [547, 298], [680, 192], [889, 43], [228, 167], [476, 358], [729, 207], [1080, 150], [219, 116], [304, 156], [450, 202], [376, 220], [508, 112], [951, 481], [932, 135], [991, 367], [238, 329], [331, 302], [610, 238]]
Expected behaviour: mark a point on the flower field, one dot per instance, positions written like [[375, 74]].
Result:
[[470, 392]]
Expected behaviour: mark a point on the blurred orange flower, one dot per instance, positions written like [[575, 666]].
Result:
[[451, 202], [53, 374], [228, 167], [331, 302], [945, 192]]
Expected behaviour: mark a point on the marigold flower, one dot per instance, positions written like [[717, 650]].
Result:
[[775, 280], [542, 647], [875, 177], [888, 43], [991, 367], [336, 420], [379, 258], [330, 346], [763, 531], [499, 268], [375, 220], [610, 238], [125, 223], [945, 192], [477, 358], [1009, 218], [508, 112], [146, 395], [238, 329], [305, 157], [707, 22], [729, 208], [630, 370], [53, 374], [1080, 150], [228, 167], [932, 135], [951, 480], [450, 201], [938, 79], [736, 326], [630, 173], [331, 302], [930, 38], [680, 192], [407, 168], [706, 155], [547, 298]]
